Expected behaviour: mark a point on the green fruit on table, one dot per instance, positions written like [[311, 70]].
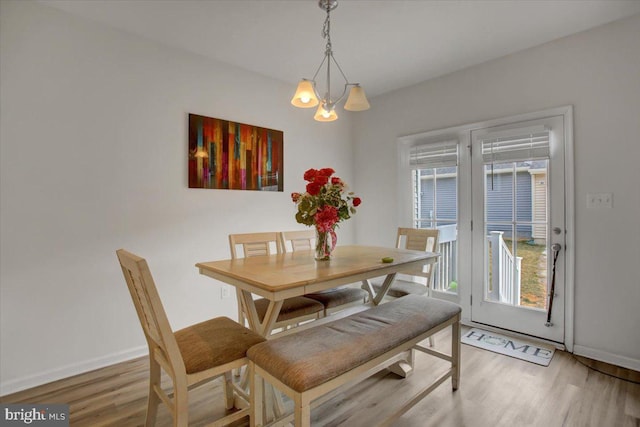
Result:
[[387, 259]]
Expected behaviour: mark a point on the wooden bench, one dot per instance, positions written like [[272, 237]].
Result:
[[309, 364]]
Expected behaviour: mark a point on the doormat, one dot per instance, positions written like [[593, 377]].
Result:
[[534, 353]]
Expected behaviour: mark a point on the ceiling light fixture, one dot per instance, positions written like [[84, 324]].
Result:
[[307, 95]]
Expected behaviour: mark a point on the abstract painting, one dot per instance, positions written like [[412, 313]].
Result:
[[234, 156]]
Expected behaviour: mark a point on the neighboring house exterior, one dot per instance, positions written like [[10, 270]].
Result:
[[530, 200]]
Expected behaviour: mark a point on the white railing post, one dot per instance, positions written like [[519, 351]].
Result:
[[506, 278], [496, 265], [505, 271], [446, 263], [517, 281]]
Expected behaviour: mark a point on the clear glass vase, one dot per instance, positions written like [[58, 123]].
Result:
[[325, 243]]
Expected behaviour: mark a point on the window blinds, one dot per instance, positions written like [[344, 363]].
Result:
[[434, 155], [516, 145]]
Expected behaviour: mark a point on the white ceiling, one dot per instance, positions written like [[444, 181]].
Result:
[[384, 45]]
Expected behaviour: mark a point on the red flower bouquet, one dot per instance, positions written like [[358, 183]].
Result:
[[323, 205]]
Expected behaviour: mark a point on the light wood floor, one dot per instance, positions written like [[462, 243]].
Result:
[[495, 391]]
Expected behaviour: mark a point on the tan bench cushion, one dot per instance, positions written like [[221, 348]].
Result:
[[314, 356]]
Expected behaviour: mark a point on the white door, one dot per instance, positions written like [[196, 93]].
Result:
[[518, 227]]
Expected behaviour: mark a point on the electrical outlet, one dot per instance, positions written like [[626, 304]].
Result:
[[225, 292], [599, 200]]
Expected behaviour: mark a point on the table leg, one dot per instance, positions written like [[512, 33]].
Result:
[[265, 326], [273, 404], [376, 298], [404, 368]]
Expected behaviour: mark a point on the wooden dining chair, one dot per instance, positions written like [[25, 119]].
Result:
[[190, 356], [332, 300], [294, 310], [416, 239]]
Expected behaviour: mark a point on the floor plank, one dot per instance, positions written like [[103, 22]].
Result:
[[495, 390]]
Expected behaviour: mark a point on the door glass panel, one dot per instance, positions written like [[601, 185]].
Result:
[[435, 206], [516, 212]]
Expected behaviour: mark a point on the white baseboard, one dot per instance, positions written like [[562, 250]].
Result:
[[603, 356], [55, 374]]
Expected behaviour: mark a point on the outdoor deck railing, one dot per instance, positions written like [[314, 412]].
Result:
[[446, 265], [504, 274], [505, 271]]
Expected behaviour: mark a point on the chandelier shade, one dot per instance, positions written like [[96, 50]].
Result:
[[324, 115], [307, 94], [357, 100]]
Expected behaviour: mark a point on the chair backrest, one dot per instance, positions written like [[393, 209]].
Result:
[[255, 244], [146, 300], [300, 240], [419, 239]]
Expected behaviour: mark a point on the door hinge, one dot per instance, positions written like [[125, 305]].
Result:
[[470, 299], [471, 225]]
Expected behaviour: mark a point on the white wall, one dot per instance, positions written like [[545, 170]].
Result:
[[598, 72], [94, 158]]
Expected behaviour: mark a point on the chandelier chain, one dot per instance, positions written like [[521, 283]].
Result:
[[326, 28]]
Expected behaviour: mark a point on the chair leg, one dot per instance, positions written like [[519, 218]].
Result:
[[432, 342], [302, 414], [455, 355], [228, 391], [181, 405], [256, 397], [153, 400]]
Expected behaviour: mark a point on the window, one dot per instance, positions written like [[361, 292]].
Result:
[[434, 172]]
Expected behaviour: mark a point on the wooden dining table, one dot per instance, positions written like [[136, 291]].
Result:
[[281, 276]]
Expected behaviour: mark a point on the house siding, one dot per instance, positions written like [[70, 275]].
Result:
[[499, 201]]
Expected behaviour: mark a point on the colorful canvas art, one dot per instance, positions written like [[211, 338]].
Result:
[[234, 156]]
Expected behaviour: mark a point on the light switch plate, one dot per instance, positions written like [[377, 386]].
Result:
[[599, 200]]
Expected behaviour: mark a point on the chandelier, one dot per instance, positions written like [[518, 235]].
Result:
[[307, 94]]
